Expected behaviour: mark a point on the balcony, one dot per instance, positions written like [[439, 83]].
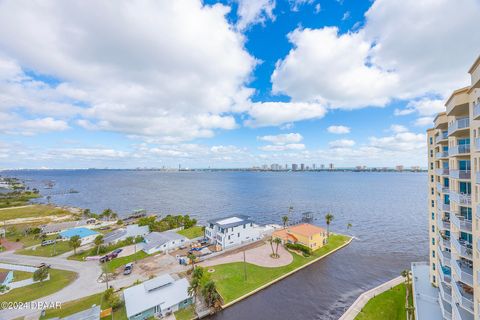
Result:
[[477, 144], [441, 205], [444, 256], [441, 155], [441, 188], [463, 271], [445, 307], [460, 174], [460, 313], [445, 292], [459, 150], [463, 248], [442, 171], [443, 224], [476, 111], [442, 137], [461, 198], [445, 274], [445, 242], [458, 126], [461, 223], [464, 298]]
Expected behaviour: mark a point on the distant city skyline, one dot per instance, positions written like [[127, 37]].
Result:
[[227, 84]]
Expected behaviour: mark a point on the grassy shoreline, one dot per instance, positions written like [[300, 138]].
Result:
[[233, 287]]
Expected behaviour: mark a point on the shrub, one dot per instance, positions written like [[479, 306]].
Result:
[[299, 247]]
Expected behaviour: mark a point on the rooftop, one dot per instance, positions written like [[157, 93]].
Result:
[[90, 314], [162, 290], [81, 232], [306, 229], [3, 275], [425, 299], [155, 239], [231, 221]]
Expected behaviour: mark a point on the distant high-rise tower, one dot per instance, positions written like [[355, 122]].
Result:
[[294, 167], [331, 166], [302, 166]]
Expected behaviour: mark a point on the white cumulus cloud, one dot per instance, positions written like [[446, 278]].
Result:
[[338, 129]]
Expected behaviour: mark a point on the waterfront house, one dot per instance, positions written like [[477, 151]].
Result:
[[90, 314], [163, 241], [133, 230], [231, 231], [6, 277], [157, 297], [86, 235], [305, 234]]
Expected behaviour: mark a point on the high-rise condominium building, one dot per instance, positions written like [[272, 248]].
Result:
[[454, 202]]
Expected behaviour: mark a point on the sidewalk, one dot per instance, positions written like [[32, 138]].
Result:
[[362, 300]]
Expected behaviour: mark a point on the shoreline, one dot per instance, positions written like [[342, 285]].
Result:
[[229, 304]]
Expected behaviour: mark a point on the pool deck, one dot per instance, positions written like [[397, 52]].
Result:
[[425, 298]]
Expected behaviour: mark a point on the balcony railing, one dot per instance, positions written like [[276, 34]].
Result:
[[444, 256], [460, 313], [459, 150], [441, 154], [442, 171], [458, 125], [443, 136], [442, 188], [461, 198], [461, 223], [477, 144], [464, 298], [460, 174], [476, 111], [463, 271], [462, 247]]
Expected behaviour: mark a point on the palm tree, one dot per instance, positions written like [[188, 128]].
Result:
[[270, 240], [75, 242], [98, 242], [285, 221], [209, 292], [195, 284], [107, 213], [277, 242], [349, 225], [328, 219], [192, 258]]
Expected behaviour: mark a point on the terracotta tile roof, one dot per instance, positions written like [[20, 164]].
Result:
[[306, 229], [3, 276]]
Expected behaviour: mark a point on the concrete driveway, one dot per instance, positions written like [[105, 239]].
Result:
[[86, 283]]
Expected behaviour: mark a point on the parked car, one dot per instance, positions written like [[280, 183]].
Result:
[[43, 265], [128, 269], [105, 259], [47, 242]]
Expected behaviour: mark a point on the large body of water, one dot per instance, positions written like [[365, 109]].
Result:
[[387, 211]]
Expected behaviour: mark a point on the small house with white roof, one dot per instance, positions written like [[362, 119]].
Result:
[[232, 231], [157, 297]]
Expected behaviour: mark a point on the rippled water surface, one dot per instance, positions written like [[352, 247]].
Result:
[[387, 211]]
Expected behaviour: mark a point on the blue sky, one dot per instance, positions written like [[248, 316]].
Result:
[[233, 83]]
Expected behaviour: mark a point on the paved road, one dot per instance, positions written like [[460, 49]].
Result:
[[86, 283]]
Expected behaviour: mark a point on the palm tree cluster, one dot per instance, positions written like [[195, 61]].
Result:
[[201, 284], [328, 219], [277, 242]]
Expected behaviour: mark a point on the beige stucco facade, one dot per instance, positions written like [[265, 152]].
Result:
[[453, 198]]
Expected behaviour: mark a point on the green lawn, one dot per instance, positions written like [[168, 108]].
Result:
[[118, 262], [193, 232], [32, 211], [231, 283], [388, 305], [13, 200], [84, 303], [185, 314], [19, 275], [47, 251], [58, 280]]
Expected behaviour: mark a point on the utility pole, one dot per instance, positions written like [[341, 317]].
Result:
[[106, 273], [244, 266]]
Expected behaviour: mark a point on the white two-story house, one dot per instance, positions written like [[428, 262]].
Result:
[[232, 231]]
